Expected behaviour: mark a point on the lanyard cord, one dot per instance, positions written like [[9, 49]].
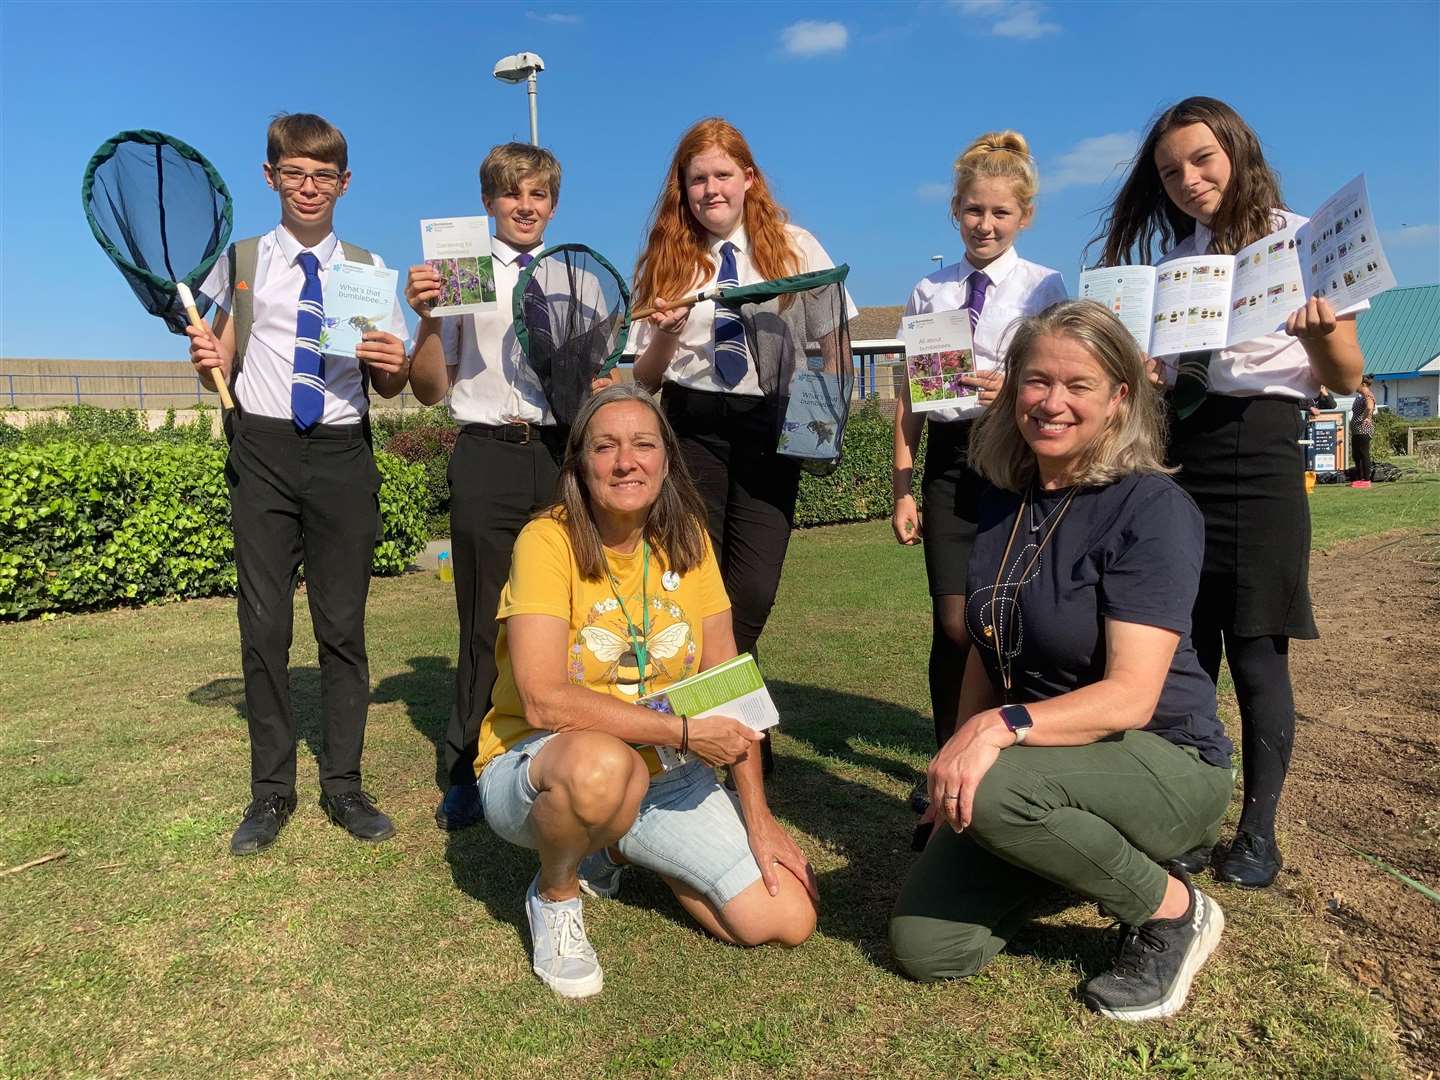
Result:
[[639, 642], [994, 629]]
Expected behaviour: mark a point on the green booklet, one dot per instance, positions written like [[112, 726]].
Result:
[[733, 689]]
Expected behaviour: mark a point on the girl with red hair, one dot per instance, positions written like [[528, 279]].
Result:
[[716, 222]]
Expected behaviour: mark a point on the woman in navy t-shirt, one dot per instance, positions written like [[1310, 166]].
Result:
[[1080, 587]]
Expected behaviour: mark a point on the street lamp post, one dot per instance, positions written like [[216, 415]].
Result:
[[939, 261], [523, 67]]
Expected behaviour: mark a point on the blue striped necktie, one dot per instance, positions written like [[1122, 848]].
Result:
[[732, 356], [535, 305], [307, 384]]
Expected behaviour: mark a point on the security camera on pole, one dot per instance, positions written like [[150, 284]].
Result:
[[523, 67]]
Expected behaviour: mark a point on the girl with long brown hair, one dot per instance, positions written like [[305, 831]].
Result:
[[716, 222], [1200, 184]]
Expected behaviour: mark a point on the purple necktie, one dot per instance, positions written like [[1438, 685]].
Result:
[[975, 302]]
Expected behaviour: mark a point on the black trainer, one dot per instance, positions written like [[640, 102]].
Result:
[[264, 818], [357, 813], [920, 795], [1193, 861], [1156, 963], [1252, 862], [460, 808]]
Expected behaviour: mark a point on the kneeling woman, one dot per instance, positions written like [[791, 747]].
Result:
[[614, 593], [1078, 601]]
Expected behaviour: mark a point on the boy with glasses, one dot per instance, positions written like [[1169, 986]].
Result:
[[302, 478]]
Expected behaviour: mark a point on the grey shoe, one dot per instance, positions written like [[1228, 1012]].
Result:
[[564, 959], [600, 875], [1156, 963]]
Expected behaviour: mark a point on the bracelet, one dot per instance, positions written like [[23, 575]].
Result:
[[684, 734]]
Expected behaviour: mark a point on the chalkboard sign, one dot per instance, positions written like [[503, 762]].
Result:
[[1326, 452]]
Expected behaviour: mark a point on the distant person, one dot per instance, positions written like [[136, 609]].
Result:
[[992, 202], [715, 222], [302, 478], [507, 457], [1200, 184], [1090, 751], [615, 593], [1362, 431]]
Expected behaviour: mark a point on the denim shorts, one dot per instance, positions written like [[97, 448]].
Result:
[[688, 828]]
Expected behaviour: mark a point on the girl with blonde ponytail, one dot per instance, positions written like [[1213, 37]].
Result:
[[993, 200]]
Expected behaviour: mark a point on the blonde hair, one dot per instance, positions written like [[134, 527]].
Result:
[[1134, 435], [509, 164], [675, 526], [996, 155]]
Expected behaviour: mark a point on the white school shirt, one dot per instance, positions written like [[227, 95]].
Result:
[[263, 386], [1018, 288], [1274, 364], [693, 365], [492, 382]]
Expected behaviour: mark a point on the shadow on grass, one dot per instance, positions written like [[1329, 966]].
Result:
[[871, 829], [427, 691]]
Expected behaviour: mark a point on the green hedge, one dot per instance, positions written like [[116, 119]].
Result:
[[1390, 429], [85, 526]]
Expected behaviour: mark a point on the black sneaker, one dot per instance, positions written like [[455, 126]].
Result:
[[264, 818], [1193, 861], [460, 808], [920, 795], [1156, 962], [356, 812], [1252, 861]]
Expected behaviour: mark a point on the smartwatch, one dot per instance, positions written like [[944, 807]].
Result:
[[1017, 719]]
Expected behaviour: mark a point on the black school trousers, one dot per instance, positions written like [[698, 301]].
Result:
[[311, 499], [496, 484], [728, 441]]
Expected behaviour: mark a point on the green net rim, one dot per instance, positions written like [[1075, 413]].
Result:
[[768, 290], [156, 138], [517, 302]]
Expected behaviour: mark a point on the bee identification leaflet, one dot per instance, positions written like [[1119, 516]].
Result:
[[733, 689], [358, 298]]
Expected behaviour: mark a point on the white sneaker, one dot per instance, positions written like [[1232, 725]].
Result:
[[600, 875], [564, 959]]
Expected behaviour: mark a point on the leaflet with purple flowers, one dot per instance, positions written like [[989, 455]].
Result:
[[938, 351], [459, 249]]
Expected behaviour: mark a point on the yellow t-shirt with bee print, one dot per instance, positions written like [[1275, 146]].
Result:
[[545, 580]]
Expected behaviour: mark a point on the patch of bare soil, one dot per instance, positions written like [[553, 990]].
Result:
[[1366, 771]]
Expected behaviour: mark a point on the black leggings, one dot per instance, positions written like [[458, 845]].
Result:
[[949, 649], [1260, 667], [1364, 467]]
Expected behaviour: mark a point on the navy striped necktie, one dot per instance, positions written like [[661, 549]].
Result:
[[307, 382], [732, 356]]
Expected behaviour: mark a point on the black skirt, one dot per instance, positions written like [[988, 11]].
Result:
[[1241, 461], [951, 494]]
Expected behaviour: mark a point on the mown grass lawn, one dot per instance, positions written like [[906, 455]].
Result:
[[148, 950]]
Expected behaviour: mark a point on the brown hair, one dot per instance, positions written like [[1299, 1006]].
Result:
[[998, 155], [1134, 436], [1143, 213], [508, 164], [676, 258], [675, 528], [308, 136]]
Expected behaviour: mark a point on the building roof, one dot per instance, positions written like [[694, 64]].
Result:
[[876, 323], [1400, 333]]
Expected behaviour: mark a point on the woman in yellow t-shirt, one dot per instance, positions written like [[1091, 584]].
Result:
[[614, 593]]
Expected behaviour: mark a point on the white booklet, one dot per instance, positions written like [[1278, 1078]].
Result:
[[1205, 302], [358, 298], [938, 350], [734, 689], [459, 248]]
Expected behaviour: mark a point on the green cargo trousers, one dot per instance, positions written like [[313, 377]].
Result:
[[1097, 820]]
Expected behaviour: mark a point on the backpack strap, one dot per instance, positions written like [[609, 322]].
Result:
[[243, 256]]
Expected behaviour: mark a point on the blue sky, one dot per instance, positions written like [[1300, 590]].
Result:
[[855, 111]]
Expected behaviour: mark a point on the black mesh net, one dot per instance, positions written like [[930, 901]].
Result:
[[162, 214], [798, 336], [572, 316]]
